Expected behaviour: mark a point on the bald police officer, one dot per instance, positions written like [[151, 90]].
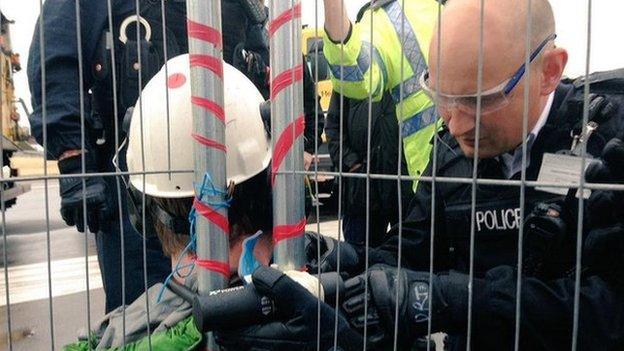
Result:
[[556, 135]]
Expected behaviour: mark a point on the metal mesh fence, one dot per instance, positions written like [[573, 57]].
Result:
[[384, 29]]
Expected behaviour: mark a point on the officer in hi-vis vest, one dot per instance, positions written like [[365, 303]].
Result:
[[390, 58]]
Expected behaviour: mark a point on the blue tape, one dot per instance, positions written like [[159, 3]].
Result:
[[207, 188]]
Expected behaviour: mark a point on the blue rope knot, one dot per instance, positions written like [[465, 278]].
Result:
[[207, 188]]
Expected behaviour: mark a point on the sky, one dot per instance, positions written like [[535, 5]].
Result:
[[571, 17]]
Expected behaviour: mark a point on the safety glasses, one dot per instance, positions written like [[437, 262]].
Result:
[[491, 100]]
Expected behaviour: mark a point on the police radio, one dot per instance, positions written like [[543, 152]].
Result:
[[546, 230]]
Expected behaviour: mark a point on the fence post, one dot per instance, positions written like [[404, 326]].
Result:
[[205, 53], [287, 121]]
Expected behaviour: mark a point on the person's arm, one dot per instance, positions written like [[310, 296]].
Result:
[[62, 86], [355, 71], [337, 23], [59, 115], [414, 234], [332, 129], [314, 118], [547, 310]]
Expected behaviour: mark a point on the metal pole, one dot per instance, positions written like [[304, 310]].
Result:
[[5, 261], [122, 240], [46, 197], [205, 52], [287, 125], [475, 163], [582, 186], [525, 128]]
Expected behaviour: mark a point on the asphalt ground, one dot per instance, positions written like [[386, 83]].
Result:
[[27, 232]]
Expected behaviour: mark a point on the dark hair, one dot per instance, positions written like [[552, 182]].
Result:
[[251, 210]]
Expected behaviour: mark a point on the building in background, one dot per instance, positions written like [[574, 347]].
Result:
[[14, 136]]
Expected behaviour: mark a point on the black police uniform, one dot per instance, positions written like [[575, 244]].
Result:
[[547, 303]]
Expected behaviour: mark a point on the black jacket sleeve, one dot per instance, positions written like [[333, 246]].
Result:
[[547, 311], [314, 118], [414, 235], [332, 130], [60, 59]]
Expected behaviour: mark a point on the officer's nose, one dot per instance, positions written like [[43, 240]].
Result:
[[458, 122]]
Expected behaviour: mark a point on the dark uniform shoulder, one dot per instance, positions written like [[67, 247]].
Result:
[[605, 99], [613, 79], [605, 107], [374, 4]]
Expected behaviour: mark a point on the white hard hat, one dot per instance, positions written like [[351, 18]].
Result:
[[247, 143]]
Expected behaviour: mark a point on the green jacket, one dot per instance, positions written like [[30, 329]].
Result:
[[171, 325], [183, 336]]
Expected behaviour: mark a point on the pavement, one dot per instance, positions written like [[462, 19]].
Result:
[[25, 243]]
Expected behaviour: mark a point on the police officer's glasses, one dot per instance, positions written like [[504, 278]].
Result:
[[491, 99]]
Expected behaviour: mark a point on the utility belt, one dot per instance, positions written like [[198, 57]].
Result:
[[117, 81]]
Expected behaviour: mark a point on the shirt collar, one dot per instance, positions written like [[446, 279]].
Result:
[[543, 117], [511, 162]]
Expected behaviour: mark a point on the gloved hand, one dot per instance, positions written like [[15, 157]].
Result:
[[602, 253], [349, 258], [72, 195], [413, 305], [604, 207], [296, 328]]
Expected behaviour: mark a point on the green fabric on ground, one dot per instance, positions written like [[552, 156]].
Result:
[[183, 336]]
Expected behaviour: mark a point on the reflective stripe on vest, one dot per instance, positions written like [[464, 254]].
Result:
[[418, 121], [418, 146], [419, 128], [355, 73]]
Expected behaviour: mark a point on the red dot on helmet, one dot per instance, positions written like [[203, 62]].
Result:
[[176, 80]]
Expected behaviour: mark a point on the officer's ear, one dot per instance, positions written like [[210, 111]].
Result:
[[553, 63]]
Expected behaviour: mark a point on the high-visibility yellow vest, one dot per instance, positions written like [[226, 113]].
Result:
[[399, 41]]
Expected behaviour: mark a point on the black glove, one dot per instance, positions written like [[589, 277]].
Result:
[[349, 257], [413, 302], [605, 207], [296, 328], [72, 195], [602, 253]]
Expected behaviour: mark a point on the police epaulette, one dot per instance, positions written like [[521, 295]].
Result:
[[375, 4], [598, 77]]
